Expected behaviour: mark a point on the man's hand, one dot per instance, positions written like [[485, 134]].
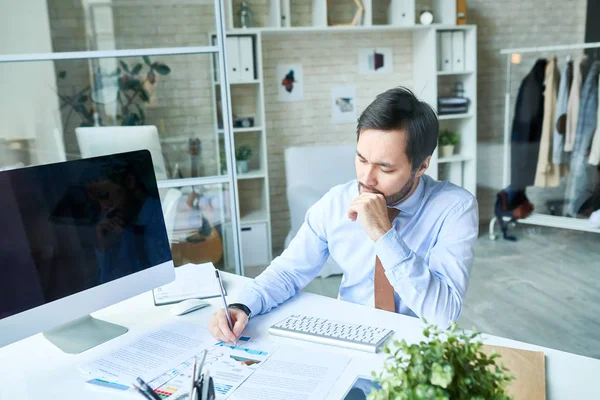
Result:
[[108, 231], [219, 328], [371, 210]]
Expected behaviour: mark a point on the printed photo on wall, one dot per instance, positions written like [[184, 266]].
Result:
[[343, 106], [290, 82], [375, 61]]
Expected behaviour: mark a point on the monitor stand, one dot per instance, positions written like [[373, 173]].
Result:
[[83, 333]]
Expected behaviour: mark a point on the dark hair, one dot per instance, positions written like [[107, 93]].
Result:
[[399, 109]]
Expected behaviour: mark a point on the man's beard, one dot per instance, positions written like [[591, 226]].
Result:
[[394, 198]]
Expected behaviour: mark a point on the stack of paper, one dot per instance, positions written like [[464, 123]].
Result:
[[192, 281]]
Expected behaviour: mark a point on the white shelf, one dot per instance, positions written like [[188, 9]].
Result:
[[556, 221], [357, 28], [252, 174], [254, 217], [450, 73], [455, 116], [240, 130], [252, 82], [454, 158]]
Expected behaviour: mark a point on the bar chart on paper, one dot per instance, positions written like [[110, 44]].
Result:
[[229, 366]]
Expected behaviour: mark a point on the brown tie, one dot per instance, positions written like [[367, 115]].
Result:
[[384, 292]]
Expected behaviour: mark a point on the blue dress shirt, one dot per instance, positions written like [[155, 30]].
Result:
[[427, 255]]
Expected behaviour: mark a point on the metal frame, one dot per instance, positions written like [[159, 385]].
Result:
[[536, 218], [219, 50]]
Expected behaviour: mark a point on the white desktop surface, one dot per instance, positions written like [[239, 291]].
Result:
[[34, 369]]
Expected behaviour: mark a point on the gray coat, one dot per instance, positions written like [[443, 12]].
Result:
[[582, 177]]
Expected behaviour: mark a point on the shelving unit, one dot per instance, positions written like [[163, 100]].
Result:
[[252, 185], [461, 168], [427, 81]]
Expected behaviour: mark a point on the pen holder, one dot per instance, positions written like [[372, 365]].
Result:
[[201, 390]]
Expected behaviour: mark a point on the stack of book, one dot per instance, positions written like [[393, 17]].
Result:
[[453, 105]]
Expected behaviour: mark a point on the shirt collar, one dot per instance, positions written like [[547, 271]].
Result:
[[413, 202]]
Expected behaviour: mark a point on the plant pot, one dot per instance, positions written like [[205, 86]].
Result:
[[447, 150], [242, 166]]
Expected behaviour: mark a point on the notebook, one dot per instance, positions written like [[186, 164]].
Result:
[[529, 369], [192, 281]]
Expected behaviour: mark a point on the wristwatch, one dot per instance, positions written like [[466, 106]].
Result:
[[242, 307]]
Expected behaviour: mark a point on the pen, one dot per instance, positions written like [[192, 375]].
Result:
[[224, 301], [142, 392], [147, 389], [205, 385], [193, 379], [201, 364]]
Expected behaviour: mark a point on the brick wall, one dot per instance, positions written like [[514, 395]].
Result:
[[185, 107], [513, 23], [328, 61]]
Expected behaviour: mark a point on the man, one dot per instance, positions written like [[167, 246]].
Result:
[[129, 234], [403, 240]]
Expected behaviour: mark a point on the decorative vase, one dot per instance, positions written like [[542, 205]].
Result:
[[447, 150], [242, 166]]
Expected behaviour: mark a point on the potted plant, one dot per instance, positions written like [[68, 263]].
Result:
[[446, 366], [448, 139], [131, 87], [242, 155]]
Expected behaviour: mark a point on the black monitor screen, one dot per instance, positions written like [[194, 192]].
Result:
[[70, 226]]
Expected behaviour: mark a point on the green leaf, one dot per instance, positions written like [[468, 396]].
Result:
[[124, 66], [147, 60], [162, 69], [441, 376], [136, 70], [62, 74], [144, 96], [132, 84]]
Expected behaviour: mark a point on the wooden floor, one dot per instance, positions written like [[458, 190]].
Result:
[[543, 289]]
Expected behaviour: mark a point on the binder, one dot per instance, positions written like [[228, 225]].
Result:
[[458, 51], [286, 16], [444, 11], [233, 59], [401, 13], [246, 58], [446, 63]]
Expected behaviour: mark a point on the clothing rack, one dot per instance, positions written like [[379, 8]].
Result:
[[553, 221]]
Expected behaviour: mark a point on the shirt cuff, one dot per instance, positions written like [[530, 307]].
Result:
[[250, 299], [391, 250]]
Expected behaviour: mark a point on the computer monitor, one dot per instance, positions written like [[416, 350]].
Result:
[[103, 140], [78, 236]]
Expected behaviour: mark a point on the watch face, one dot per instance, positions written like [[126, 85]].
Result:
[[426, 18]]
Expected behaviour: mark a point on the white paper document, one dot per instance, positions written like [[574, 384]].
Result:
[[229, 365], [293, 374], [192, 281], [148, 355]]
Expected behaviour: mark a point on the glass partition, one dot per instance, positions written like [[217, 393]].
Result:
[[69, 109], [198, 220]]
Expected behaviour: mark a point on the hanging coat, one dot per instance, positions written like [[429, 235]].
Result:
[[527, 127], [559, 156], [579, 74], [594, 158], [582, 178], [547, 173]]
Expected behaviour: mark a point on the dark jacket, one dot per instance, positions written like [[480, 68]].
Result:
[[527, 127]]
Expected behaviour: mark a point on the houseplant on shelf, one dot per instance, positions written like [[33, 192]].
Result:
[[449, 365], [448, 140], [242, 155]]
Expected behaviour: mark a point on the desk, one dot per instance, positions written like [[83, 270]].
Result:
[[34, 369]]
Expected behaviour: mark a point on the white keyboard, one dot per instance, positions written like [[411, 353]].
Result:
[[324, 331]]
